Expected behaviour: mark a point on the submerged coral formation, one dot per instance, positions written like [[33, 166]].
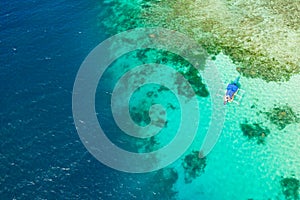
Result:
[[193, 166], [194, 78], [141, 115], [290, 188], [262, 36], [147, 145], [282, 116], [163, 182], [113, 19], [190, 73], [255, 131]]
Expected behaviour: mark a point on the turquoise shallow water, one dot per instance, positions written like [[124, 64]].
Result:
[[237, 167]]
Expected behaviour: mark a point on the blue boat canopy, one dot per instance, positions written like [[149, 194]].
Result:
[[231, 89]]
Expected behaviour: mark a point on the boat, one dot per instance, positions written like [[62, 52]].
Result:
[[231, 91]]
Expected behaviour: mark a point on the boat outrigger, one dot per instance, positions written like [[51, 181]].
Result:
[[231, 91]]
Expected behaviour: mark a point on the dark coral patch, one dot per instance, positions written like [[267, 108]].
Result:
[[193, 166], [163, 182], [255, 131], [290, 188], [282, 116], [195, 80]]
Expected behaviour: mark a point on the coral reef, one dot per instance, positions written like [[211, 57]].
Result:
[[140, 114], [181, 65], [290, 188], [261, 36], [115, 21], [282, 116], [147, 145], [163, 181], [193, 166], [255, 131], [194, 78]]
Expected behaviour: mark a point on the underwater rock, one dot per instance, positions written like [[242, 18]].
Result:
[[195, 80], [282, 116], [290, 188], [193, 166], [140, 116], [190, 73], [193, 77], [146, 145], [163, 182], [255, 131], [151, 144]]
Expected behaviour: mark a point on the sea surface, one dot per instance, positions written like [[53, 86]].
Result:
[[42, 46]]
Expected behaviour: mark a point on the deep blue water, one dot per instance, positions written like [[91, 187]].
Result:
[[42, 45]]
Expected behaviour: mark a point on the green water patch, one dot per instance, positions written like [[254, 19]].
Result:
[[255, 131], [193, 166], [282, 116], [290, 188]]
